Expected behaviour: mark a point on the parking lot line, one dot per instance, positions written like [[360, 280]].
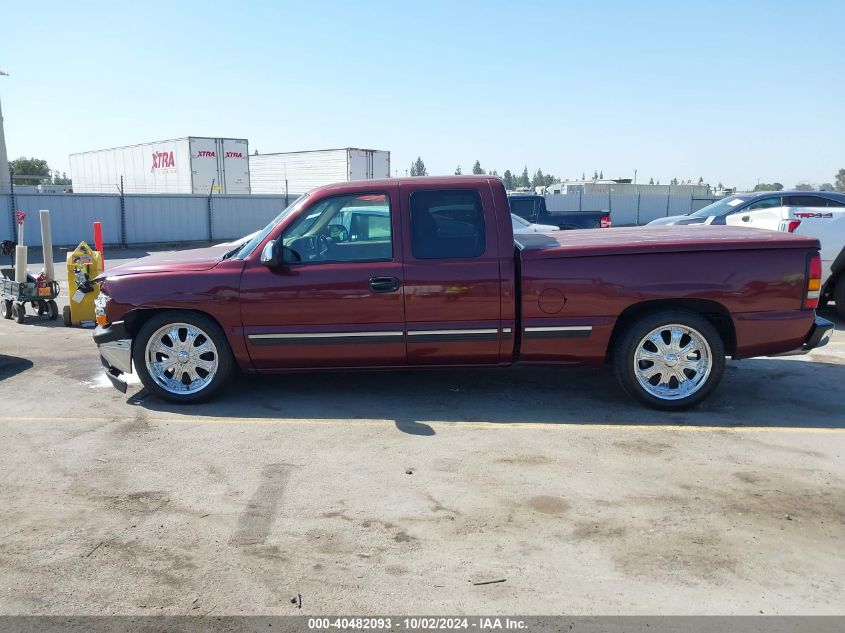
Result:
[[221, 421]]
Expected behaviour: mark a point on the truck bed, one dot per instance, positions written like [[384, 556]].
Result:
[[657, 239], [576, 285]]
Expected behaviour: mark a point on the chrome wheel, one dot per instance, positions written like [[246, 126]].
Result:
[[181, 358], [672, 361]]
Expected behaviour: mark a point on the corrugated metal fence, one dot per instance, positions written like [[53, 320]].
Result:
[[141, 219], [167, 218]]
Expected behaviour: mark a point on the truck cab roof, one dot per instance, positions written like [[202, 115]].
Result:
[[422, 182]]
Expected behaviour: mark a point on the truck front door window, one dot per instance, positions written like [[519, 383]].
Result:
[[351, 228], [765, 203]]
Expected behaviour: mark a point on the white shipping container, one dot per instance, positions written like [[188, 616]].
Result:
[[193, 164], [298, 172]]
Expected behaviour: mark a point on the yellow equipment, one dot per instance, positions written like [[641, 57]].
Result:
[[83, 265]]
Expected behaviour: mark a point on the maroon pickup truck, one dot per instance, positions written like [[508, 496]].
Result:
[[425, 272]]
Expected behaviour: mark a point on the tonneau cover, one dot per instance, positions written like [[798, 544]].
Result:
[[654, 239]]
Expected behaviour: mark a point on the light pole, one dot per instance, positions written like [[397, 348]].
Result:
[[5, 178]]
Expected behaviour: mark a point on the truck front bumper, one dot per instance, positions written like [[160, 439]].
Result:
[[819, 336], [115, 349]]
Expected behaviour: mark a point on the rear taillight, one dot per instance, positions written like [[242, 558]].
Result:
[[604, 223], [789, 226], [814, 282]]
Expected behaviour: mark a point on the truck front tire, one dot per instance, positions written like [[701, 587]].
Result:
[[182, 357], [670, 360]]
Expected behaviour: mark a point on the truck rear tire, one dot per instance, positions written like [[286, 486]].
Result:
[[670, 360], [839, 294], [182, 357]]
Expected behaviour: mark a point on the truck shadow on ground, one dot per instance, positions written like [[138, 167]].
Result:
[[13, 365], [765, 392]]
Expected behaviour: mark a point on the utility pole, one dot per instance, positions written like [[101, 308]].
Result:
[[635, 176]]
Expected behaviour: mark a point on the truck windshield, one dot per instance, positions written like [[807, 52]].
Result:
[[252, 244], [720, 207]]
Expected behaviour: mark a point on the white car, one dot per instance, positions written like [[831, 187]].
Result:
[[524, 226]]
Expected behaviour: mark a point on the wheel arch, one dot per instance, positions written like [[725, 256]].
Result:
[[837, 273], [717, 314], [135, 319]]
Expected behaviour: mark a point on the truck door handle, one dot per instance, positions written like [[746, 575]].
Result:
[[745, 218], [384, 284]]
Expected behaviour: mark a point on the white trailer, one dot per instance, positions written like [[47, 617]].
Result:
[[298, 172], [193, 164]]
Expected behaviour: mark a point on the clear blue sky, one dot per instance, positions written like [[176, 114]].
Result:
[[731, 91]]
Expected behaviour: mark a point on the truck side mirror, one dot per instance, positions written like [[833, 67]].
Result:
[[270, 254], [276, 254]]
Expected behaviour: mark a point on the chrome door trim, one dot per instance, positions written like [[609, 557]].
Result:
[[559, 331]]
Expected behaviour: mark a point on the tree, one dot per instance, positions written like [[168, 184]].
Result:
[[524, 180], [476, 169], [804, 186], [840, 180], [583, 176], [458, 170], [768, 186], [509, 181], [494, 173], [596, 174], [674, 181], [538, 179], [61, 180], [826, 186], [720, 186], [601, 175], [701, 180], [30, 171], [651, 181], [418, 168]]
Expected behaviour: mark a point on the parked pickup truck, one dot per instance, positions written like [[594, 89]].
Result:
[[443, 283], [533, 208]]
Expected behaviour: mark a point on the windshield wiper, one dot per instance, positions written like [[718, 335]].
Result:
[[233, 251]]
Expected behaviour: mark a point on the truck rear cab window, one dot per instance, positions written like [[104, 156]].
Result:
[[447, 224], [523, 207], [810, 201]]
